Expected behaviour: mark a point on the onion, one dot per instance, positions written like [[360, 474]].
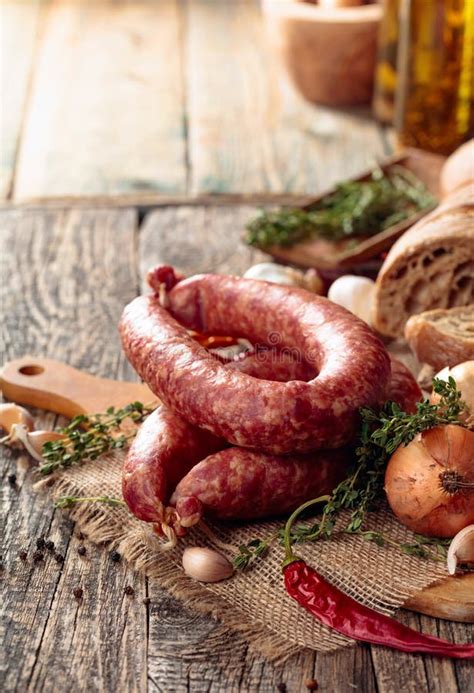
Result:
[[430, 482]]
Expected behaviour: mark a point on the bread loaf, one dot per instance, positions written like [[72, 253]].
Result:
[[442, 337], [432, 264]]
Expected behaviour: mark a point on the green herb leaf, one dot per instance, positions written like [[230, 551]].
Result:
[[356, 208]]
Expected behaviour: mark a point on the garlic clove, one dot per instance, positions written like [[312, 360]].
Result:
[[354, 293], [281, 274], [33, 441], [38, 438], [11, 414], [461, 549], [206, 565]]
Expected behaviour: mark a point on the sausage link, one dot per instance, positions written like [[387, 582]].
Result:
[[164, 450], [166, 447], [352, 364], [244, 484]]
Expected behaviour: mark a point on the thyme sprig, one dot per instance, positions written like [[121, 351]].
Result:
[[381, 433], [355, 208], [68, 501], [88, 437]]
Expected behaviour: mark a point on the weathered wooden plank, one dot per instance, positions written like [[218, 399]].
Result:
[[68, 276], [248, 129], [151, 200], [188, 652], [209, 239], [19, 26], [106, 110]]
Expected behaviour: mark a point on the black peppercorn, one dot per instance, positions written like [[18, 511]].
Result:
[[38, 556], [81, 550], [50, 545], [129, 590], [78, 592], [147, 601], [81, 536], [58, 558], [40, 543], [11, 479], [22, 555], [115, 556]]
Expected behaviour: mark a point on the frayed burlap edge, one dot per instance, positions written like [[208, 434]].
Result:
[[95, 523], [253, 603]]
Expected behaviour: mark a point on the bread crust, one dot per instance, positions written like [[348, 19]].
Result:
[[442, 337], [430, 266]]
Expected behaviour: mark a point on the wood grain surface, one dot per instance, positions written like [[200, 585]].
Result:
[[175, 96], [65, 277], [20, 28], [106, 104]]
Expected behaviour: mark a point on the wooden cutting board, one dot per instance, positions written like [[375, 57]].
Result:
[[342, 255], [52, 385]]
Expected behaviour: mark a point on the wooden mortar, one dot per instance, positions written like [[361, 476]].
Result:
[[329, 53]]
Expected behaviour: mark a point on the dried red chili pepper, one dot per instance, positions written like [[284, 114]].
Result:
[[344, 614]]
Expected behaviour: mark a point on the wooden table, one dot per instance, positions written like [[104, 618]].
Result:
[[113, 105], [66, 274], [171, 97]]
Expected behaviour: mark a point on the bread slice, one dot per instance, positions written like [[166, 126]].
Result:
[[430, 266], [442, 337]]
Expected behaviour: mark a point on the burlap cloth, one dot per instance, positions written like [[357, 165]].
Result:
[[254, 601]]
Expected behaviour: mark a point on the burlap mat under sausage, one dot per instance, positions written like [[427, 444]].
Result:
[[253, 602]]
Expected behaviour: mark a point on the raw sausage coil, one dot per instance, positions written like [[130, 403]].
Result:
[[167, 448], [352, 364]]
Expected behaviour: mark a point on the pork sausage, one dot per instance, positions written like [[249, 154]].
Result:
[[245, 484], [164, 450], [351, 363], [166, 447]]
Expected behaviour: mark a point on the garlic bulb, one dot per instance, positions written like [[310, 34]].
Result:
[[461, 549], [463, 374], [10, 415], [206, 565], [354, 293], [280, 274]]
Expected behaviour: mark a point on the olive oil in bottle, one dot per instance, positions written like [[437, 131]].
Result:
[[383, 103], [435, 84]]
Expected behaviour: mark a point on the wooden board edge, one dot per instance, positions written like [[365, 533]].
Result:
[[451, 599]]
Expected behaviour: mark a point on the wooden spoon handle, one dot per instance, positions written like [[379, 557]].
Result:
[[53, 385]]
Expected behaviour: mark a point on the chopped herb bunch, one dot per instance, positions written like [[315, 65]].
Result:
[[88, 437], [356, 208]]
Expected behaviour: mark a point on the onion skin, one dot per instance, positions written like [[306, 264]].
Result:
[[421, 481]]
